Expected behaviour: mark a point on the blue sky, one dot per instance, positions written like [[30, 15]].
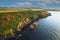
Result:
[[30, 3]]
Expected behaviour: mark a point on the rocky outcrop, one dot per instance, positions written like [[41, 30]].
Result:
[[23, 22], [33, 25]]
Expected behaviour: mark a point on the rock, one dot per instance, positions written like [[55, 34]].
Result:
[[35, 17], [33, 26], [9, 37], [35, 23], [20, 24], [11, 31], [27, 20], [49, 14]]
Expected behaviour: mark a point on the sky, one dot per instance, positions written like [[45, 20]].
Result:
[[30, 3]]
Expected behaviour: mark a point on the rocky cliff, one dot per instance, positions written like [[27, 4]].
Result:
[[14, 24]]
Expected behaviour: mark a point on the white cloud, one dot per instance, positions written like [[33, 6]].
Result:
[[38, 3], [46, 1], [42, 4], [22, 4]]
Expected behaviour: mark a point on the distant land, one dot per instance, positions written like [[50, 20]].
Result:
[[52, 9], [13, 9]]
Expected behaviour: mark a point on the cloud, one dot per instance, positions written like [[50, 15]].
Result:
[[43, 5], [22, 4], [46, 1], [35, 3]]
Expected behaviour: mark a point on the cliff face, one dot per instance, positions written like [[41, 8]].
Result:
[[26, 21], [23, 22]]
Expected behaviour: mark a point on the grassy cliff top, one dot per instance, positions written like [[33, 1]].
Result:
[[10, 19]]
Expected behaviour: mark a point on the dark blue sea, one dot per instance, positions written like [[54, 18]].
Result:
[[47, 28]]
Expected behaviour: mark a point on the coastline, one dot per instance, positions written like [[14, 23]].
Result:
[[21, 30], [18, 26]]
